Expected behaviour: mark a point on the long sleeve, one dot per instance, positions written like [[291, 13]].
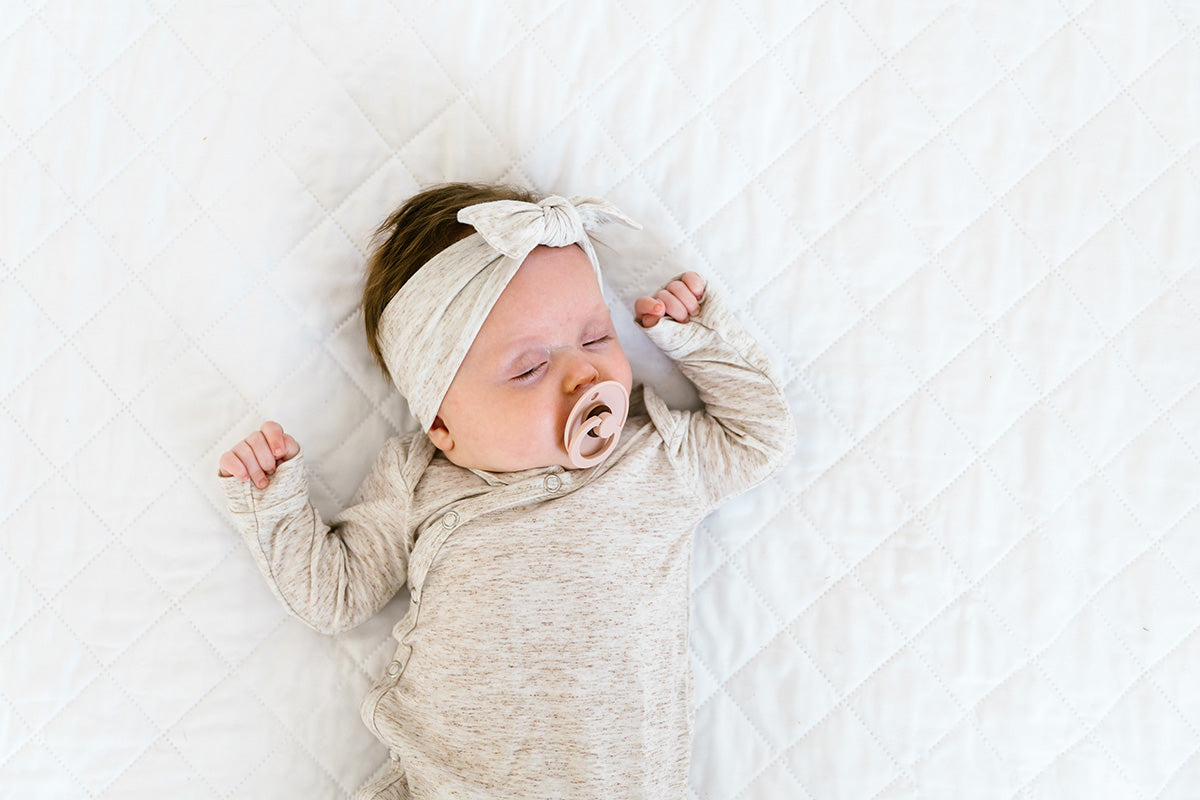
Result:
[[331, 576], [745, 432]]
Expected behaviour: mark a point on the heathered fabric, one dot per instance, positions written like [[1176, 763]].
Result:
[[545, 653]]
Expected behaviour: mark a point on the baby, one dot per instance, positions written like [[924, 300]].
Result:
[[542, 516]]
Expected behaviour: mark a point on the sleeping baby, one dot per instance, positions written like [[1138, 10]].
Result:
[[542, 516]]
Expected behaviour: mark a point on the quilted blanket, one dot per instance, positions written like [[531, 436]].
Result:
[[966, 232]]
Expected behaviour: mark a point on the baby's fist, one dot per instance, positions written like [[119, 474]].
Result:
[[257, 456], [679, 300]]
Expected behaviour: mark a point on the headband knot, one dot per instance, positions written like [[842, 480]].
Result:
[[514, 228], [428, 326]]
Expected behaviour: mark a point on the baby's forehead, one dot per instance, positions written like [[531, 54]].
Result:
[[545, 326]]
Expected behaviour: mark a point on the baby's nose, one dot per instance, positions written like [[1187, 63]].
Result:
[[580, 373]]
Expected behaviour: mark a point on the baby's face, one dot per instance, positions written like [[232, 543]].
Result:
[[549, 337]]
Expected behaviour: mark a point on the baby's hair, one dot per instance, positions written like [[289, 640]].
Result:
[[425, 225]]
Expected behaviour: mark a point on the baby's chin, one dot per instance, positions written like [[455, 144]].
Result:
[[512, 462]]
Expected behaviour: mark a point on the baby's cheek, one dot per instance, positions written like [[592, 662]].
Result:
[[620, 370], [528, 431]]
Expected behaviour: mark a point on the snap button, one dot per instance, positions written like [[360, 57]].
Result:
[[450, 520], [553, 483], [393, 669]]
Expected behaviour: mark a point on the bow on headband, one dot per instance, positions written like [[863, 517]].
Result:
[[515, 228], [429, 325]]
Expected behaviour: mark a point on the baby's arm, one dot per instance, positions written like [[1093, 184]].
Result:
[[745, 431], [331, 576]]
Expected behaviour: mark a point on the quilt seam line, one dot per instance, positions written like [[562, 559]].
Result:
[[91, 80], [68, 339], [942, 545], [988, 326], [911, 644], [102, 670], [116, 540], [820, 119], [394, 152], [35, 731], [466, 100], [136, 276], [723, 689], [998, 203], [973, 584], [925, 385], [1091, 732], [979, 459], [1119, 215], [755, 176], [991, 691], [786, 630], [575, 103], [702, 110], [1054, 267], [823, 119], [1100, 470], [31, 14], [954, 602], [723, 681], [1178, 769]]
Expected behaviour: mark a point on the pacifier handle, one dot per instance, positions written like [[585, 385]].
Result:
[[594, 424]]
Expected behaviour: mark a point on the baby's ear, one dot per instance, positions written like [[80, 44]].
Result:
[[440, 435]]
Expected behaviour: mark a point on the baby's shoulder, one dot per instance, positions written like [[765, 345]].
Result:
[[406, 455]]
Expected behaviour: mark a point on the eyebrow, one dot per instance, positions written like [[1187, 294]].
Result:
[[520, 347]]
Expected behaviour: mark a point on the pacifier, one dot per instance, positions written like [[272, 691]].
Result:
[[594, 424]]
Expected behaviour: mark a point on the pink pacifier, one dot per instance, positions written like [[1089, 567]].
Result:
[[595, 422]]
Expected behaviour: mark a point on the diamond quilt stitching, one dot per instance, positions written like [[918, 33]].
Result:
[[949, 528]]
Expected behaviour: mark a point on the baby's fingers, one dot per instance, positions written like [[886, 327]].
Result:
[[291, 448], [281, 446], [272, 432], [683, 293], [648, 311], [256, 458], [676, 309], [694, 283], [232, 467]]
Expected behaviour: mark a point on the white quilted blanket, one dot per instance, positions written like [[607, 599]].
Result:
[[966, 232]]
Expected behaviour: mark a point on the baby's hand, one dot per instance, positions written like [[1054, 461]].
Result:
[[679, 300], [257, 456]]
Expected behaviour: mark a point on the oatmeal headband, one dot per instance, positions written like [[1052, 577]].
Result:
[[429, 325]]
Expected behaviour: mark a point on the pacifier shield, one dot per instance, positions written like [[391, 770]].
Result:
[[594, 424]]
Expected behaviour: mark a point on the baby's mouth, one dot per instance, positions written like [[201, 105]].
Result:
[[594, 424]]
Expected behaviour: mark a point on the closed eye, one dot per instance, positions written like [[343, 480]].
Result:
[[598, 340], [529, 374]]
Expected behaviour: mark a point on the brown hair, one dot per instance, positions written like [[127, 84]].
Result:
[[425, 225]]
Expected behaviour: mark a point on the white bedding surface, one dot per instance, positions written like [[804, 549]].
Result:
[[966, 232]]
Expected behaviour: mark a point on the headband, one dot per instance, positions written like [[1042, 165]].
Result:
[[429, 325]]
